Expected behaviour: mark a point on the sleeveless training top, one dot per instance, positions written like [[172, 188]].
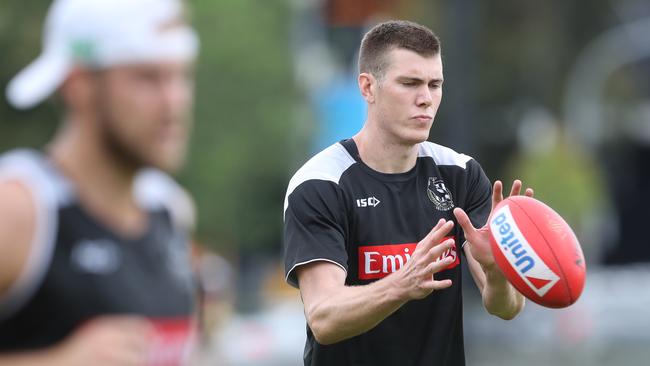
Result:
[[79, 269]]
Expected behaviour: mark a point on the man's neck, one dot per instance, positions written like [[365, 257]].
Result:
[[104, 185], [383, 155]]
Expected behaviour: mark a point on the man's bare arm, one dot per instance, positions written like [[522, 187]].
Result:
[[336, 312]]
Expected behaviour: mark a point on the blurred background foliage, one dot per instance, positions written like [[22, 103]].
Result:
[[237, 169]]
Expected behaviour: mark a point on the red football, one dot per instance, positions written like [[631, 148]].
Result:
[[537, 251]]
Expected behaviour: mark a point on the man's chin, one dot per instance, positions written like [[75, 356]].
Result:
[[169, 159], [415, 139], [168, 165]]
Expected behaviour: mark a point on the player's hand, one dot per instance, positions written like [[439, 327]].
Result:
[[478, 240], [107, 341], [416, 278]]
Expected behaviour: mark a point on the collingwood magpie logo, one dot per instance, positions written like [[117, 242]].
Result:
[[439, 194]]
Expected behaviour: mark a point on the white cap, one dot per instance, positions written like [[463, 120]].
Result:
[[99, 34]]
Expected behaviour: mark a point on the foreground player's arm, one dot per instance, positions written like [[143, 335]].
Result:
[[17, 226], [336, 312], [107, 341], [500, 298]]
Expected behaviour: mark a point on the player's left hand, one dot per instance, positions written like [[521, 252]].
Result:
[[478, 240]]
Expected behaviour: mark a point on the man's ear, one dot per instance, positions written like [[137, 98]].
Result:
[[367, 86], [77, 92]]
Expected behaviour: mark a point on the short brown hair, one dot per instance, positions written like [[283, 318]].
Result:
[[394, 34]]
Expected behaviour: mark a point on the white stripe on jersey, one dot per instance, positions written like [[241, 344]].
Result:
[[48, 192], [443, 155], [328, 164], [154, 189]]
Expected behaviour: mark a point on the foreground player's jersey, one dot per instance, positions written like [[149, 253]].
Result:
[[337, 209], [79, 269]]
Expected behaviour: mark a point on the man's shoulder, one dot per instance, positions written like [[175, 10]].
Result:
[[17, 203], [20, 160], [443, 155], [17, 168], [30, 192], [31, 169], [328, 165]]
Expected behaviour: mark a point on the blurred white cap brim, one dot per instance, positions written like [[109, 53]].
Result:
[[38, 80], [99, 34]]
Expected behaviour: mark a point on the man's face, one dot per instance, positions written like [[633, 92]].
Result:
[[407, 96], [144, 113]]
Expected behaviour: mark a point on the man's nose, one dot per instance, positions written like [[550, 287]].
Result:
[[424, 97]]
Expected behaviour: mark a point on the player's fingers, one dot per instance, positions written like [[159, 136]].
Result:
[[115, 347], [437, 285], [134, 331], [436, 234], [438, 265], [436, 251], [530, 192], [139, 331], [438, 225], [139, 342], [129, 356], [516, 188], [422, 244], [135, 347], [497, 193], [464, 222]]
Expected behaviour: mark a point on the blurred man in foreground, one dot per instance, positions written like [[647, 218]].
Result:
[[94, 266]]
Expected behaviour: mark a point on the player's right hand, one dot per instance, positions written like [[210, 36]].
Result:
[[416, 278], [117, 340]]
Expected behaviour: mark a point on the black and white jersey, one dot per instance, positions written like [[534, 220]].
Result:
[[339, 210], [79, 269]]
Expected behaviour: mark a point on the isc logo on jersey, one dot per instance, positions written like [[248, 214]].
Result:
[[368, 202], [519, 253], [378, 261]]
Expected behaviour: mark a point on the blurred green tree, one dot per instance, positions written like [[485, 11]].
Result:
[[238, 167]]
